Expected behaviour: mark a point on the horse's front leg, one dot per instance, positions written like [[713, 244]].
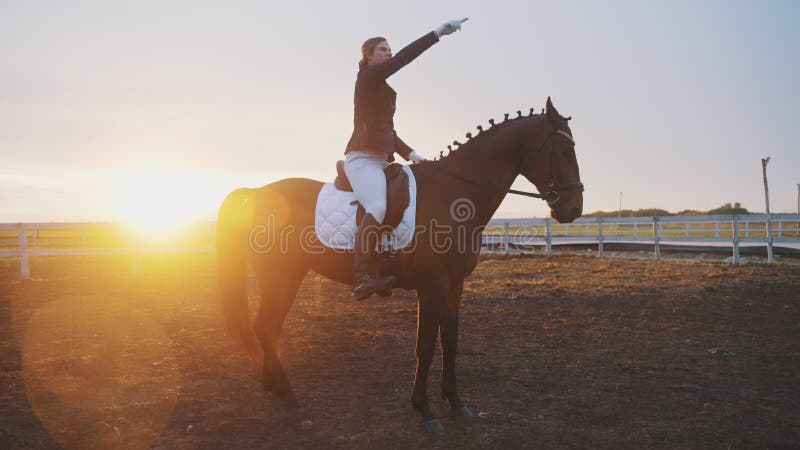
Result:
[[431, 299], [448, 336]]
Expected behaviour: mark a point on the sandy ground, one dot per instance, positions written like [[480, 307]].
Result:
[[565, 352]]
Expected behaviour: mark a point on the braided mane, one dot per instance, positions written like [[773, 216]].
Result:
[[481, 131]]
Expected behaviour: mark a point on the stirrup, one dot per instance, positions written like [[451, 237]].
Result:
[[361, 288]]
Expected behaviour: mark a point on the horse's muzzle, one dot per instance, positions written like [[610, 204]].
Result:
[[568, 214]]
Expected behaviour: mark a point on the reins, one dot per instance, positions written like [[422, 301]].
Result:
[[485, 185]]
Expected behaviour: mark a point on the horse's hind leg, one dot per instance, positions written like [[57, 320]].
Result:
[[278, 286]]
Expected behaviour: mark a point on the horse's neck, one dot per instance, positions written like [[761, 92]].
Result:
[[491, 162]]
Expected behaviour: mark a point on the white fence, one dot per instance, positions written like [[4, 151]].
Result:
[[716, 231], [81, 234], [500, 234]]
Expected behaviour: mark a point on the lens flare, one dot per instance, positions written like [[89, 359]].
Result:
[[99, 374]]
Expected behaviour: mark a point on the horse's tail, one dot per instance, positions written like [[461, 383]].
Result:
[[233, 225]]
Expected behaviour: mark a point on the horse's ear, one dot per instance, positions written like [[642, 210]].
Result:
[[552, 115]]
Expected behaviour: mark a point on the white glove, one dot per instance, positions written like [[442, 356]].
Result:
[[415, 157], [449, 27]]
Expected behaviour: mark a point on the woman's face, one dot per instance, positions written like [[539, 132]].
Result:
[[381, 53]]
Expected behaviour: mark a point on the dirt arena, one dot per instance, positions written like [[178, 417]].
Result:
[[571, 351]]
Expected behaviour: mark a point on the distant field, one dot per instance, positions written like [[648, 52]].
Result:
[[108, 236]]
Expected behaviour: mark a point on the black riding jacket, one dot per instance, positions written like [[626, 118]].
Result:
[[374, 103]]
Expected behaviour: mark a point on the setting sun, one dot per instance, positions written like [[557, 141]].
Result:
[[160, 201]]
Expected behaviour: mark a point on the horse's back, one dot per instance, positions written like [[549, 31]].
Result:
[[295, 186], [287, 209], [296, 197]]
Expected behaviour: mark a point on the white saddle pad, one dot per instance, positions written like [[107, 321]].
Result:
[[335, 218]]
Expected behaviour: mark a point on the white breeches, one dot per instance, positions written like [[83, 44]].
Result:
[[365, 172]]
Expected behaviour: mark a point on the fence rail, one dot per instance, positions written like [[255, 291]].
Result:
[[113, 238]]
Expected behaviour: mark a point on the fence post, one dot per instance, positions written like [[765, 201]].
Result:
[[24, 264], [548, 237], [508, 250], [716, 230], [735, 239], [655, 237], [600, 237], [35, 238], [770, 255]]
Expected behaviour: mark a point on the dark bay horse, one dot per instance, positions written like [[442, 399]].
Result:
[[273, 227]]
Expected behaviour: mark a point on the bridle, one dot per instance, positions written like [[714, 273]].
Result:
[[554, 188]]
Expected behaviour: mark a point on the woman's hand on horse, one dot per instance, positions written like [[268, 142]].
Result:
[[449, 27]]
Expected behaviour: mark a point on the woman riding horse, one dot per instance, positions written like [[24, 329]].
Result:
[[273, 228], [374, 142]]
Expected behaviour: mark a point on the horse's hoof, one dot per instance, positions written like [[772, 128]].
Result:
[[432, 426], [462, 413]]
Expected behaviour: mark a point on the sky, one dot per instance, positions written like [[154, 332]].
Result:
[[109, 108]]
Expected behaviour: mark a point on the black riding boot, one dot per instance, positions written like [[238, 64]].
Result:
[[365, 281]]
